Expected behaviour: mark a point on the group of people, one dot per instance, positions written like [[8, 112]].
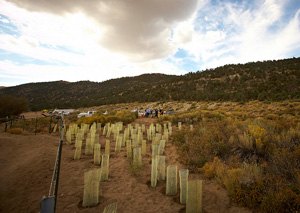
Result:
[[153, 112]]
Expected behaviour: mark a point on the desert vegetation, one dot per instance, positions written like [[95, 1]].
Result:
[[124, 116], [251, 149], [255, 157], [12, 105], [264, 81]]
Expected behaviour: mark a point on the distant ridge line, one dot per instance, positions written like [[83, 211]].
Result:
[[265, 81]]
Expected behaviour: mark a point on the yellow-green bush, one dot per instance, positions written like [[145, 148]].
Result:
[[203, 144], [16, 131], [32, 125], [194, 116], [256, 160], [214, 168], [123, 116]]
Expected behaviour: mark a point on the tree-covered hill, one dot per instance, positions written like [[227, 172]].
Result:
[[268, 80]]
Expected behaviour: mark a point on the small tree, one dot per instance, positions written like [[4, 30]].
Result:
[[10, 105]]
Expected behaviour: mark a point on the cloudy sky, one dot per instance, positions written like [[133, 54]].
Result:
[[72, 40]]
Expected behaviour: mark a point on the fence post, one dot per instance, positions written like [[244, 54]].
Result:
[[35, 127], [50, 125]]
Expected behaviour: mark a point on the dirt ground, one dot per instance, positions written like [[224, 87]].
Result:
[[27, 161]]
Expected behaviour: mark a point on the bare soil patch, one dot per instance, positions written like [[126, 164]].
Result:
[[27, 161]]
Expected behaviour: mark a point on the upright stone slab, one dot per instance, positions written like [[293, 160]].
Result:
[[134, 141], [171, 185], [165, 127], [107, 147], [191, 127], [111, 208], [154, 171], [157, 138], [137, 156], [179, 126], [158, 128], [118, 144], [166, 135], [154, 150], [115, 133], [78, 143], [194, 197], [139, 137], [170, 131], [104, 130], [129, 149], [99, 128], [77, 153], [108, 132], [97, 154], [148, 135], [144, 147], [121, 136], [96, 138], [183, 182], [161, 147], [136, 125], [91, 189], [105, 167], [161, 160], [68, 137], [88, 146]]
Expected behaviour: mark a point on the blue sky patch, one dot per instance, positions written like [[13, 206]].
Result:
[[7, 27], [62, 48], [190, 65], [181, 53]]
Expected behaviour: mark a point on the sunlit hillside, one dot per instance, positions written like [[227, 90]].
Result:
[[267, 81]]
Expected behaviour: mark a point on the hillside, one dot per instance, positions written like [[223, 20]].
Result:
[[268, 80]]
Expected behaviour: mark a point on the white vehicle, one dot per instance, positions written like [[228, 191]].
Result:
[[86, 114], [63, 111]]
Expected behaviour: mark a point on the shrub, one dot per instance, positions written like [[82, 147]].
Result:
[[243, 184], [214, 169], [123, 116], [202, 145], [10, 105], [16, 131], [256, 160], [280, 200], [41, 124]]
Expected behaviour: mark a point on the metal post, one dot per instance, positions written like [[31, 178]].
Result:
[[35, 128], [59, 159], [50, 125], [48, 204]]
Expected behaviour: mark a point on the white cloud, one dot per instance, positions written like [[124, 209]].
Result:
[[137, 29], [235, 33], [123, 41], [109, 39]]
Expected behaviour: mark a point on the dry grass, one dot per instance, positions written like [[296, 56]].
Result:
[[115, 116], [16, 131], [254, 157]]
